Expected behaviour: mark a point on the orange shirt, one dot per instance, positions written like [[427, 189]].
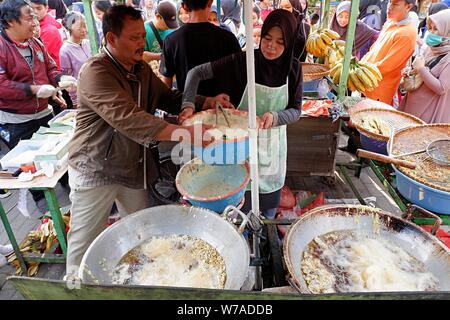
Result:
[[390, 53]]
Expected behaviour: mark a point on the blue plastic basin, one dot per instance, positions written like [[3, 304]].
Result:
[[435, 200], [213, 187], [224, 153]]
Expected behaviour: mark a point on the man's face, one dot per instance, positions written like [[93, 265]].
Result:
[[40, 10], [24, 29], [213, 18], [398, 10], [129, 46]]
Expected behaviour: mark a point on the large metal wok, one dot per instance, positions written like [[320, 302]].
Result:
[[112, 244], [415, 241]]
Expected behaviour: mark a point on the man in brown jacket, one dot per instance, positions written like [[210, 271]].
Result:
[[108, 162]]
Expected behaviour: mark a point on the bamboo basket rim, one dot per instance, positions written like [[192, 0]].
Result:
[[409, 173], [311, 76], [356, 117]]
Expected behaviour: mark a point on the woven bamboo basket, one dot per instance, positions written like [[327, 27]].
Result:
[[395, 119], [314, 71]]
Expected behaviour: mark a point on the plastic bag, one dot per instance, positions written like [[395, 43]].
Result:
[[323, 88]]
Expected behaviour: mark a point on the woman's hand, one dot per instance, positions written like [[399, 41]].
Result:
[[184, 114], [223, 99], [267, 120], [418, 63]]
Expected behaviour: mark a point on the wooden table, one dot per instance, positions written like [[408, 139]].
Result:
[[47, 185]]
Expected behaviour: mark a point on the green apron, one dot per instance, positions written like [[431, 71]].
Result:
[[272, 142]]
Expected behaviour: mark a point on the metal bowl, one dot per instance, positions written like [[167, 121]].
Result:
[[195, 179], [112, 244]]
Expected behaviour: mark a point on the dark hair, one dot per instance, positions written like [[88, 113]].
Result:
[[42, 2], [71, 18], [195, 4], [315, 16], [102, 5], [257, 11], [115, 16], [10, 10]]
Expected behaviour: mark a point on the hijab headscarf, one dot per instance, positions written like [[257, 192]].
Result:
[[231, 71], [364, 5], [231, 10], [363, 32], [298, 10], [432, 9], [442, 22]]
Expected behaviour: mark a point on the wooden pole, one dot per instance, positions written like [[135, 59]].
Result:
[[348, 48], [91, 26], [325, 14]]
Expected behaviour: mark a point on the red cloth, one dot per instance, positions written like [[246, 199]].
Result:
[[316, 108], [51, 37], [440, 234]]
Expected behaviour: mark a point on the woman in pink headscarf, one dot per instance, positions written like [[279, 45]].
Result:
[[365, 36], [431, 101]]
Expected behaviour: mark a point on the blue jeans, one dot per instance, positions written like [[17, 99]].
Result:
[[12, 133]]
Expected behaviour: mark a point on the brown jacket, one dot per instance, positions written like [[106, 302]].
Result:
[[112, 128]]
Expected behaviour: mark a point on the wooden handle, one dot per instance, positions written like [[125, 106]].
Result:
[[379, 157]]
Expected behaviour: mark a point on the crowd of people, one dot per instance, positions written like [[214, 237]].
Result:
[[200, 49]]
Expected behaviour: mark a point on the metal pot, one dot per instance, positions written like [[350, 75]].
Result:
[[405, 234], [112, 244]]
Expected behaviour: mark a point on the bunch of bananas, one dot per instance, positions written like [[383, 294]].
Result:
[[335, 53], [363, 75], [320, 41]]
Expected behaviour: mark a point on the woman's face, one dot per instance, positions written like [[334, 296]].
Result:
[[149, 4], [183, 15], [257, 37], [303, 4], [432, 27], [255, 18], [343, 18], [79, 30], [213, 18], [286, 5], [99, 14], [272, 44]]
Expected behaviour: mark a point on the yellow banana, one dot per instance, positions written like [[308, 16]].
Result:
[[350, 85], [370, 75], [373, 68], [358, 85], [334, 69], [320, 43], [332, 34], [337, 75], [367, 83], [326, 39], [339, 43]]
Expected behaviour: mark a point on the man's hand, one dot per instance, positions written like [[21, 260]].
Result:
[[418, 63], [186, 113], [60, 100], [45, 91], [267, 120], [223, 99]]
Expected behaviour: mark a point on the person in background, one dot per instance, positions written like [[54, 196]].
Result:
[[148, 10], [231, 15], [299, 9], [422, 29], [431, 101], [266, 7], [100, 7], [392, 50], [370, 13], [182, 14], [165, 23], [214, 19], [364, 35], [257, 37], [50, 35], [181, 48], [60, 8], [383, 12], [314, 22], [257, 22], [278, 99], [75, 51]]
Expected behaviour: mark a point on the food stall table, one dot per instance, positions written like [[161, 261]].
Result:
[[47, 185]]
